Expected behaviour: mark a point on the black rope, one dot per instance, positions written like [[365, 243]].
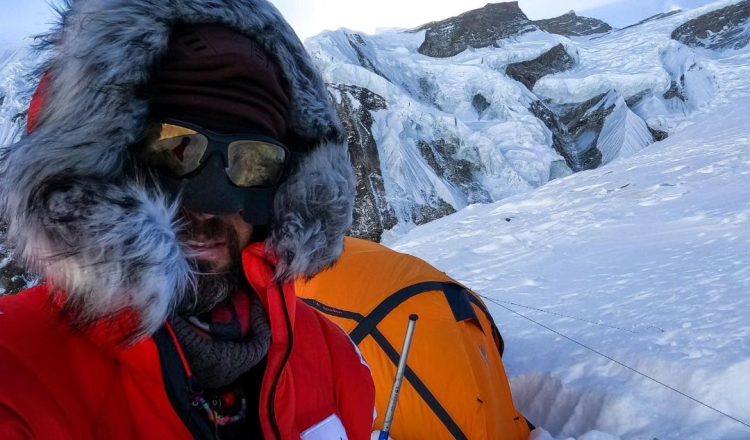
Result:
[[566, 316], [498, 303]]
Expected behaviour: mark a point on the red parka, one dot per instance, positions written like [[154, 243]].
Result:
[[59, 382]]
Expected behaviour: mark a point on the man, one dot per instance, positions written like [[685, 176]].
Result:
[[183, 167]]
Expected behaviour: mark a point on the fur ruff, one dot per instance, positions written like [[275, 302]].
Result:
[[110, 240]]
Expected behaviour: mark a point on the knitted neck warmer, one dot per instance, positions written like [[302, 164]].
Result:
[[226, 342]]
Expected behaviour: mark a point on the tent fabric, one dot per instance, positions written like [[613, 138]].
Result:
[[455, 385]]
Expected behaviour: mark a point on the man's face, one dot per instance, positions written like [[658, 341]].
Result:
[[216, 241], [215, 244]]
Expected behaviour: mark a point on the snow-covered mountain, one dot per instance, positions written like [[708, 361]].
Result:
[[490, 104], [638, 268], [721, 29]]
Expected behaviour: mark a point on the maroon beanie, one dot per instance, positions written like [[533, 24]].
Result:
[[222, 80]]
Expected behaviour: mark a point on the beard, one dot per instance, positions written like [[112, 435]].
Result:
[[213, 284]]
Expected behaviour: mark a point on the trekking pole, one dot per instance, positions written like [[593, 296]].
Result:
[[385, 432]]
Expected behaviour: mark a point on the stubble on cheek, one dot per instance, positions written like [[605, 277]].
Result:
[[216, 279]]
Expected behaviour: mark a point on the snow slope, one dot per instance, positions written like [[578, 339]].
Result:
[[645, 260]]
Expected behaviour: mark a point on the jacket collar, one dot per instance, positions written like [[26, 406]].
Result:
[[278, 299]]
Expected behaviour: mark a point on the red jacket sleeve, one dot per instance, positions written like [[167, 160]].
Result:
[[27, 409], [13, 426], [355, 389]]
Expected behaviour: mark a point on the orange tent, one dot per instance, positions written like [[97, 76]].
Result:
[[455, 385]]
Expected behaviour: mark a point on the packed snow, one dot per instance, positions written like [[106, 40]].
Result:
[[638, 268]]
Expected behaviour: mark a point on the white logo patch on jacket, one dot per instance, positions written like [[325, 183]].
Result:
[[330, 428]]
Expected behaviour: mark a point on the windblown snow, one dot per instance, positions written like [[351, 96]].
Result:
[[623, 292]]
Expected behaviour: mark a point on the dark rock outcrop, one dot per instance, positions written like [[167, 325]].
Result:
[[477, 29], [571, 25], [652, 18], [427, 213], [483, 27], [560, 139], [358, 44], [480, 104], [584, 121], [633, 101], [577, 128], [675, 89], [529, 72], [441, 156], [659, 135], [372, 213], [638, 97], [13, 279], [725, 28]]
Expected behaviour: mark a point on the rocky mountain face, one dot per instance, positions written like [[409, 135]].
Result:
[[483, 27], [571, 25], [431, 178], [372, 214], [725, 28], [465, 123], [652, 18], [528, 73], [478, 28], [595, 132]]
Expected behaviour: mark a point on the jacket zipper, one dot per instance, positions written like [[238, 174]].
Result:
[[272, 399], [178, 347]]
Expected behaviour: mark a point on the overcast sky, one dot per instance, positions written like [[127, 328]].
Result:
[[22, 18]]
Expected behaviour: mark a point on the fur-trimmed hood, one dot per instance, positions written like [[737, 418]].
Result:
[[109, 240]]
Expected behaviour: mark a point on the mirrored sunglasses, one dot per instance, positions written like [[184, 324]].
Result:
[[181, 149]]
